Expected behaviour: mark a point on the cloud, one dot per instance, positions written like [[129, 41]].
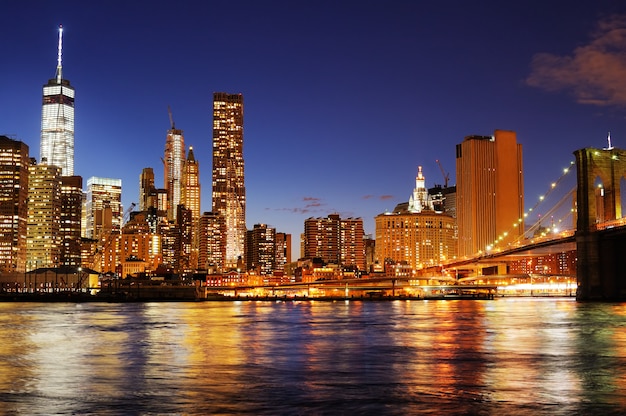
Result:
[[594, 73], [312, 204], [381, 197]]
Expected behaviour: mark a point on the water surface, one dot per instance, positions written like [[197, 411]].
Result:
[[507, 356]]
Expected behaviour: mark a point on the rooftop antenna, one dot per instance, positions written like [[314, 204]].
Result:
[[60, 54], [609, 139]]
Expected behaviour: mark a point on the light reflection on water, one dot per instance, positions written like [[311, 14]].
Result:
[[507, 356]]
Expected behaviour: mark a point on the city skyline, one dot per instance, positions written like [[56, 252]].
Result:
[[343, 101]]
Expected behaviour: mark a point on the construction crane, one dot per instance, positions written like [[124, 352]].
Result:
[[127, 213], [446, 176], [169, 111]]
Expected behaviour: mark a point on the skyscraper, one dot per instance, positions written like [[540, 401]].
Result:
[[190, 198], [173, 167], [190, 189], [415, 233], [14, 162], [71, 213], [261, 249], [44, 216], [146, 189], [229, 192], [57, 120], [212, 250], [490, 191], [103, 207]]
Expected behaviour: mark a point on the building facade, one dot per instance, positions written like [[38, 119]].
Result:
[[57, 120], [229, 192], [489, 191], [43, 233], [14, 165]]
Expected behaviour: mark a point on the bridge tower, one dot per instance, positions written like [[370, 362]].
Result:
[[601, 252]]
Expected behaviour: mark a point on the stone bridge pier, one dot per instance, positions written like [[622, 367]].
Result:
[[601, 251]]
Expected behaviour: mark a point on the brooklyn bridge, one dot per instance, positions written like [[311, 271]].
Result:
[[596, 239]]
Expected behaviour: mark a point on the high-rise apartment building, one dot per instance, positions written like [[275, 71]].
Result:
[[173, 167], [14, 165], [44, 216], [335, 241], [229, 192], [103, 207], [212, 250], [57, 120], [489, 191], [71, 215], [352, 247], [261, 249]]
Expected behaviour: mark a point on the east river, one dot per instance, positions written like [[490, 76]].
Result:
[[509, 356]]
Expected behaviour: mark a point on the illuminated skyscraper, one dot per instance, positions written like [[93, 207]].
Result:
[[229, 192], [57, 120], [103, 207], [14, 163], [190, 190], [44, 216], [489, 191], [173, 167], [190, 198]]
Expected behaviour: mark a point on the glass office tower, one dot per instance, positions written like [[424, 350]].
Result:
[[57, 120]]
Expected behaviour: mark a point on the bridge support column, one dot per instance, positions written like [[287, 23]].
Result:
[[601, 265]]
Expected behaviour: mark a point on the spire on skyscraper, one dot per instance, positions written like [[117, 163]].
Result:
[[59, 73]]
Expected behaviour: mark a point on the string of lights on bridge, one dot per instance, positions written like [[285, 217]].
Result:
[[555, 226]]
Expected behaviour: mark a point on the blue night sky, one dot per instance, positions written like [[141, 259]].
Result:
[[342, 99]]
